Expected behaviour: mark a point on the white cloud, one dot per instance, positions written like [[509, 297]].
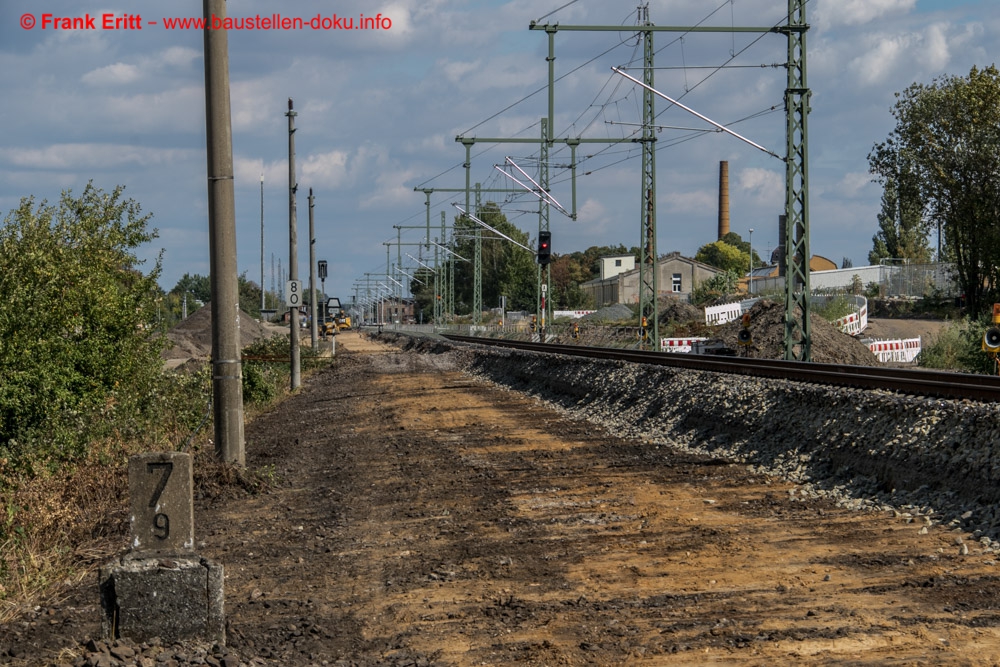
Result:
[[399, 13], [111, 75], [247, 171], [146, 68], [933, 51], [179, 56], [853, 184], [763, 186], [175, 109], [454, 71], [91, 156], [592, 219], [694, 201], [254, 104], [379, 111], [328, 169], [389, 190], [886, 56], [879, 62], [832, 13]]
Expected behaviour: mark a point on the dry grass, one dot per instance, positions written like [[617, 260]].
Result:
[[58, 527], [62, 526]]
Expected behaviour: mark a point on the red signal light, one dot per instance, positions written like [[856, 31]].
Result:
[[544, 247]]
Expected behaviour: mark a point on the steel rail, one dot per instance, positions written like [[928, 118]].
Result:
[[904, 380]]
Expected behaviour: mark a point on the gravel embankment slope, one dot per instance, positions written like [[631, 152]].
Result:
[[866, 449]]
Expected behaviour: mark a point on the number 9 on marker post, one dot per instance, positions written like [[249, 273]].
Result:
[[161, 502]]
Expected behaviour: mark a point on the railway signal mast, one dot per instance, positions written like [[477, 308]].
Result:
[[797, 327]]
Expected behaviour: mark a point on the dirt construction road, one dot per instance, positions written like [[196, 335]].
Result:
[[430, 518], [423, 518]]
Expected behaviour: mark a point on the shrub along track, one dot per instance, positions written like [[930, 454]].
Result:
[[425, 517]]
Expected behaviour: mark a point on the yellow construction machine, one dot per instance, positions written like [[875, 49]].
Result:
[[336, 319]]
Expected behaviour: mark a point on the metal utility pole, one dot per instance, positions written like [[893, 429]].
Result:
[[477, 268], [227, 369], [798, 330], [544, 282], [797, 326], [448, 279], [262, 303], [649, 315], [293, 260], [313, 331]]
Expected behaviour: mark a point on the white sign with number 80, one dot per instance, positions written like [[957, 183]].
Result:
[[293, 293]]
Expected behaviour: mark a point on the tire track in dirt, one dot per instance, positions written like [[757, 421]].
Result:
[[421, 517], [430, 519]]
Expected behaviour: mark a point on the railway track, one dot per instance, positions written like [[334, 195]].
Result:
[[919, 382]]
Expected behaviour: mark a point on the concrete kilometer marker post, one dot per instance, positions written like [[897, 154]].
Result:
[[162, 588]]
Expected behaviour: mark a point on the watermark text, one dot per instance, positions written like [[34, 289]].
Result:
[[112, 21]]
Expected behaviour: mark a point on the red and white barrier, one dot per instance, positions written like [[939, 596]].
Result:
[[902, 351], [854, 323], [678, 344]]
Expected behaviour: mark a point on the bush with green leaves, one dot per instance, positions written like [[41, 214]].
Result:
[[834, 308], [719, 285], [265, 376], [262, 379], [79, 361], [958, 347]]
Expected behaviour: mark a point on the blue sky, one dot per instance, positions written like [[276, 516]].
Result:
[[378, 112]]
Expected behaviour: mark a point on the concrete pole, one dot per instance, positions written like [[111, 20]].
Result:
[[227, 370], [293, 259], [313, 331], [262, 292]]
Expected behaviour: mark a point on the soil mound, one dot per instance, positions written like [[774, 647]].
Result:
[[767, 330], [616, 313], [675, 310], [192, 338]]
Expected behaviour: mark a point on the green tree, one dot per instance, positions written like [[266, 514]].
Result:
[[198, 285], [567, 273], [422, 289], [79, 359], [249, 292], [946, 147], [508, 269], [716, 287], [198, 288], [902, 231], [724, 256], [735, 240]]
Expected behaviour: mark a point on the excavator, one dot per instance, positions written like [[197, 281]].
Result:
[[337, 319]]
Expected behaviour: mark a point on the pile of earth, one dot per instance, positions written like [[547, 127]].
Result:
[[674, 310], [767, 331], [618, 312], [192, 338]]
